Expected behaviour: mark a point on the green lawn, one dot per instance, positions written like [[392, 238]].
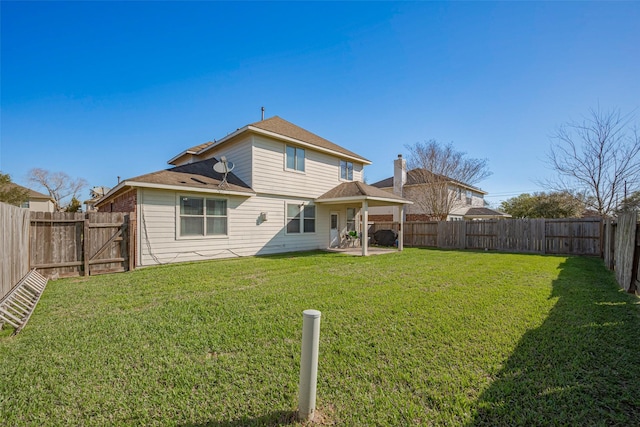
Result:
[[422, 337]]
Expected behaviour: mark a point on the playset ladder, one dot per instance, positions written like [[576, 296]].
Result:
[[16, 307]]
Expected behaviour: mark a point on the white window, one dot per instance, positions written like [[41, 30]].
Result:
[[346, 170], [351, 219], [201, 216], [469, 196], [295, 158], [25, 205], [301, 219]]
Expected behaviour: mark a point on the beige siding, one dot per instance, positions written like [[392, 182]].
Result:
[[247, 235], [239, 152], [322, 171], [41, 205]]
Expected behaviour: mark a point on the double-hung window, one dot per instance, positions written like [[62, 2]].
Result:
[[295, 158], [301, 219], [201, 216], [351, 219], [346, 170]]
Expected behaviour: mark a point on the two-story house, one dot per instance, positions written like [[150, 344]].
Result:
[[266, 188], [466, 201]]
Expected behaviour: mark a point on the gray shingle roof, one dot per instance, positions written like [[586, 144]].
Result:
[[32, 193], [417, 176], [484, 212], [357, 189], [197, 175], [282, 127]]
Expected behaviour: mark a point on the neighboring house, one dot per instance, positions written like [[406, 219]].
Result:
[[289, 190], [96, 194], [469, 200], [37, 202]]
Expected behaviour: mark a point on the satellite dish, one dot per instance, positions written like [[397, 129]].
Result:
[[223, 166]]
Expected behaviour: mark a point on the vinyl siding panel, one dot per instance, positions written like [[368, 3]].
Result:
[[247, 235]]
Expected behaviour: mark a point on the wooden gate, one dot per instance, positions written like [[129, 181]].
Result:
[[72, 244]]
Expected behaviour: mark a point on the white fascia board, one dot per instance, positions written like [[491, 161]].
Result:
[[184, 153], [308, 145], [215, 144]]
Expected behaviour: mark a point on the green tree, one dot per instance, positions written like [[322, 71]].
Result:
[[560, 204], [11, 193], [521, 206], [632, 202], [74, 205]]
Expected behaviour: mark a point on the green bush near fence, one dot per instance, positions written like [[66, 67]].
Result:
[[422, 337]]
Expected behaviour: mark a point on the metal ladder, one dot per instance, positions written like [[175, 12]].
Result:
[[16, 307]]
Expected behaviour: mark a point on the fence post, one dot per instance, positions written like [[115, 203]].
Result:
[[85, 244], [309, 364]]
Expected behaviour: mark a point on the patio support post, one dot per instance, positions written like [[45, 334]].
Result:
[[364, 241], [401, 229]]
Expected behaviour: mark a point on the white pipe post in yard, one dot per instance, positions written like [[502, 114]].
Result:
[[309, 364]]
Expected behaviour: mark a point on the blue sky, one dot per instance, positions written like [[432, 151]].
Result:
[[106, 89]]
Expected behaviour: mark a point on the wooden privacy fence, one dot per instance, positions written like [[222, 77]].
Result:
[[72, 244], [14, 246], [545, 236], [621, 249]]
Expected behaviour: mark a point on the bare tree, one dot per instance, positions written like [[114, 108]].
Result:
[[596, 157], [442, 173], [59, 185]]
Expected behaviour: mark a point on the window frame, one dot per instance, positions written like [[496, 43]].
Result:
[[303, 209], [354, 220], [344, 170], [205, 217], [296, 157], [469, 197]]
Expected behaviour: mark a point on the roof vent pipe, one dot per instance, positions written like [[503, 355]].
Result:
[[262, 113]]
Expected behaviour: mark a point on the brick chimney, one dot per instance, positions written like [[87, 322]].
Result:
[[399, 175]]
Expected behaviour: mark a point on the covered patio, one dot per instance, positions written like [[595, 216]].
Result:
[[363, 196]]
